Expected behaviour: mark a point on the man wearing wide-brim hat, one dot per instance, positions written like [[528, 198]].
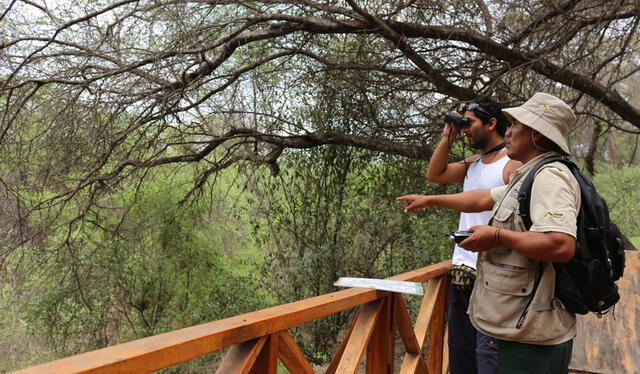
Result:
[[535, 332]]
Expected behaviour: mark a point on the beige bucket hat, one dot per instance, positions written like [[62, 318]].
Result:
[[548, 115]]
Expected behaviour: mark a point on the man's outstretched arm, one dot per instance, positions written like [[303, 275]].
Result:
[[469, 201]]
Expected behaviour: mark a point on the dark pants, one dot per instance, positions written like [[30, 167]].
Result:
[[470, 351], [521, 358]]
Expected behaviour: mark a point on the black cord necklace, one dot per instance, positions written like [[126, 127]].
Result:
[[496, 148]]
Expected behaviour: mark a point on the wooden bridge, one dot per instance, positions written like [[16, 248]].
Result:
[[257, 340]]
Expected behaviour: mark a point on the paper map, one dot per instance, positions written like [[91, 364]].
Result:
[[413, 288]]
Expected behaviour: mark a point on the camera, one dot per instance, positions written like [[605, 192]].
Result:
[[458, 120]]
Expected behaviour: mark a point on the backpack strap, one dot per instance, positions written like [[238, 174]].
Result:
[[524, 194], [524, 197], [524, 211]]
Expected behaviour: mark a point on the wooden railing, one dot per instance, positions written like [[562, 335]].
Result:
[[258, 339]]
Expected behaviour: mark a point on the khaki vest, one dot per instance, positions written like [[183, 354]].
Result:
[[504, 303]]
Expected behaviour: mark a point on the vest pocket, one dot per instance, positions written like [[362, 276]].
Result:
[[508, 279], [503, 213], [506, 208], [501, 295]]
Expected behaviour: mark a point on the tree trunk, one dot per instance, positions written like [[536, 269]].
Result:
[[593, 147]]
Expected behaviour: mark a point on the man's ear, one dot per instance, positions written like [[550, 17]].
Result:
[[538, 137], [542, 140], [491, 125]]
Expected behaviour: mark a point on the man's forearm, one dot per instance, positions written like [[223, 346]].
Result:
[[468, 202], [541, 246], [439, 160]]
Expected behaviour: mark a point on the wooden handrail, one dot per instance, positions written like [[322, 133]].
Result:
[[259, 338]]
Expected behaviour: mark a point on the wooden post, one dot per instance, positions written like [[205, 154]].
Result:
[[359, 338], [337, 356], [381, 348], [445, 352], [291, 355], [428, 313], [267, 360], [413, 361], [436, 328], [241, 357]]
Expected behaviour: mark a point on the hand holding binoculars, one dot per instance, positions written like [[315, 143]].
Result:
[[456, 119]]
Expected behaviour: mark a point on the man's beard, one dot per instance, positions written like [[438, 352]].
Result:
[[476, 143]]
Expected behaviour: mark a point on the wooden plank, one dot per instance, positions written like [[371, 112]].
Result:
[[240, 357], [610, 344], [171, 348], [381, 347], [413, 360], [267, 360], [415, 363], [403, 324], [445, 352], [424, 274], [291, 355], [436, 328], [359, 339], [335, 360], [426, 309]]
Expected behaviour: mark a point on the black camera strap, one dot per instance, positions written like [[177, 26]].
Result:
[[496, 148]]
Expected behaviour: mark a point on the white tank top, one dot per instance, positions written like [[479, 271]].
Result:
[[479, 176]]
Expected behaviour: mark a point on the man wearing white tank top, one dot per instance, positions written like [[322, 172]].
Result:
[[484, 127]]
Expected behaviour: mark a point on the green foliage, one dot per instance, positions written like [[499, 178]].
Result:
[[145, 266], [619, 187], [331, 213]]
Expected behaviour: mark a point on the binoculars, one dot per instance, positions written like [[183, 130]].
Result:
[[457, 119]]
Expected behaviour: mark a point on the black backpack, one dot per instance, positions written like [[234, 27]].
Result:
[[587, 282]]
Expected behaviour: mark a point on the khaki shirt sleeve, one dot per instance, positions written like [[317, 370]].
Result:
[[555, 201], [498, 192]]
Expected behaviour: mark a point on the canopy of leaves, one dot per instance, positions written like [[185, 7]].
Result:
[[119, 86]]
